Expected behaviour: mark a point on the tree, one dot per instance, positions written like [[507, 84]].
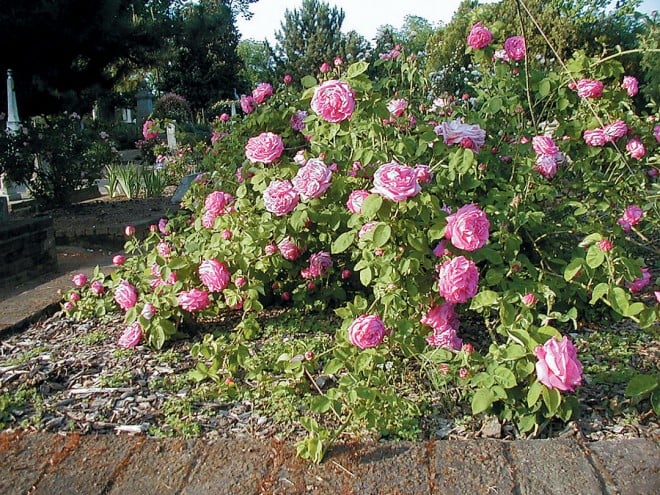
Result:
[[308, 37], [256, 62]]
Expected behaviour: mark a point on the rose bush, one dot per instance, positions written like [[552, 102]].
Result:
[[494, 207]]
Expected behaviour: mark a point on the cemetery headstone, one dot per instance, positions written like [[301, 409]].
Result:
[[183, 187], [171, 136]]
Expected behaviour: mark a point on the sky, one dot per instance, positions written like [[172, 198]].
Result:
[[363, 16]]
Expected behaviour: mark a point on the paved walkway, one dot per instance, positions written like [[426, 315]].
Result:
[[41, 463]]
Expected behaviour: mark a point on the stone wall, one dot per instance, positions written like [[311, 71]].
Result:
[[27, 249]]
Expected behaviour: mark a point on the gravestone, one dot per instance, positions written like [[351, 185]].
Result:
[[171, 136], [183, 187], [145, 105]]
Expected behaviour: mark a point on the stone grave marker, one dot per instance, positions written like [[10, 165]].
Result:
[[183, 187]]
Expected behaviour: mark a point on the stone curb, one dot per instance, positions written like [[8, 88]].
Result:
[[43, 463]]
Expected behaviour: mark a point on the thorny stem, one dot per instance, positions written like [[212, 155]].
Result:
[[528, 91]]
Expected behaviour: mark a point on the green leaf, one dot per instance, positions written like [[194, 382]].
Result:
[[156, 336], [599, 291], [482, 400], [552, 399], [544, 88], [514, 352], [595, 257], [619, 300], [634, 309], [382, 234], [534, 393], [320, 404], [308, 81], [655, 401], [573, 268], [342, 243], [356, 69], [641, 385], [484, 298], [366, 276], [372, 204], [526, 423], [333, 366], [505, 377]]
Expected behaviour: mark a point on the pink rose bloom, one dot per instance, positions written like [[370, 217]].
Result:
[[596, 137], [515, 47], [467, 229], [148, 311], [320, 263], [441, 317], [546, 165], [224, 117], [338, 61], [193, 300], [355, 200], [261, 92], [129, 230], [240, 281], [657, 295], [367, 227], [280, 197], [270, 249], [366, 331], [74, 297], [266, 148], [68, 306], [636, 148], [217, 136], [125, 295], [455, 131], [345, 274], [446, 338], [333, 100], [289, 250], [640, 283], [397, 106], [312, 179], [656, 133], [632, 215], [605, 245], [630, 84], [325, 67], [588, 88], [214, 275], [248, 104], [529, 299], [424, 174], [208, 219], [396, 182], [544, 145], [149, 130], [287, 79], [458, 280], [217, 202], [164, 249], [616, 130], [558, 366], [131, 336], [79, 279], [297, 120], [479, 36], [118, 259], [97, 287]]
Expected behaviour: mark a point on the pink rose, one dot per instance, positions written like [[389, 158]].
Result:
[[367, 227], [424, 174], [74, 297], [297, 121], [396, 182], [224, 117], [164, 249], [312, 179], [248, 104], [280, 197], [125, 295], [467, 229], [217, 202], [266, 148], [456, 131], [479, 36], [320, 263], [529, 299], [289, 250], [214, 275], [636, 148], [325, 67], [515, 47], [129, 230], [366, 331], [131, 336], [287, 79], [588, 88], [441, 317], [261, 92], [546, 165], [193, 300], [656, 133], [149, 130], [440, 249], [605, 245], [79, 279], [355, 200], [333, 100], [640, 283], [615, 130], [596, 137], [397, 106], [68, 306], [118, 259], [345, 274], [270, 249], [148, 311], [97, 287], [558, 366], [208, 219], [446, 338], [458, 280], [630, 84], [631, 216], [544, 145]]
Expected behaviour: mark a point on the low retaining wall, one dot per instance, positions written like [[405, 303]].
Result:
[[27, 249]]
